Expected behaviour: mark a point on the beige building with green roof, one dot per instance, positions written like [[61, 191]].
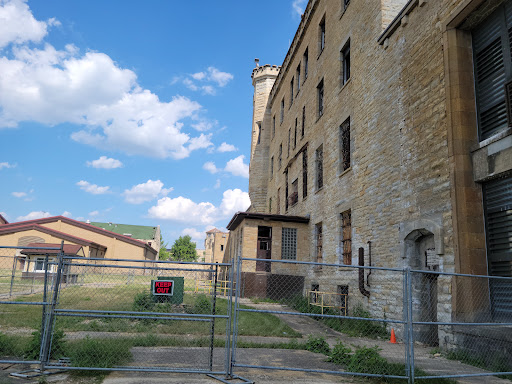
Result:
[[148, 234]]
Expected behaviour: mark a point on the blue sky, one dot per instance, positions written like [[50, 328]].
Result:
[[132, 112]]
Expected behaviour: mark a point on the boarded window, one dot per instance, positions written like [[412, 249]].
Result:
[[289, 244]]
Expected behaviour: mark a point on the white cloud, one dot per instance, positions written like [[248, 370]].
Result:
[[51, 86], [92, 188], [19, 194], [34, 215], [298, 7], [217, 184], [210, 167], [203, 141], [66, 214], [18, 25], [198, 75], [212, 76], [237, 167], [183, 210], [197, 236], [225, 147], [7, 165], [94, 213], [105, 162], [147, 191], [204, 125], [234, 200], [219, 77]]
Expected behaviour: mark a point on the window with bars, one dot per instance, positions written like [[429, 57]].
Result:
[[320, 97], [281, 118], [297, 75], [492, 41], [345, 63], [295, 134], [280, 158], [292, 81], [319, 159], [272, 167], [289, 244], [273, 127], [321, 36], [304, 173], [305, 59], [319, 242], [345, 145], [286, 190], [303, 120], [294, 196], [289, 141], [278, 201], [270, 205], [346, 237]]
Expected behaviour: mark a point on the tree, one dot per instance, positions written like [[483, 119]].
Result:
[[163, 254], [183, 249]]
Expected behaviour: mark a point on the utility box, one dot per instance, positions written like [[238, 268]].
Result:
[[168, 289]]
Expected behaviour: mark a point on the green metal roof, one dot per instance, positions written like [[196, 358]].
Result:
[[136, 231]]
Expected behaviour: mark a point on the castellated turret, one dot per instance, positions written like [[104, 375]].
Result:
[[263, 78]]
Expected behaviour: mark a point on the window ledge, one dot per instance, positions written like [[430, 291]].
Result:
[[345, 85], [344, 10], [319, 117], [345, 171], [498, 136], [320, 54], [319, 189]]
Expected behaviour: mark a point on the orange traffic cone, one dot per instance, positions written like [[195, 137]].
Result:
[[392, 340]]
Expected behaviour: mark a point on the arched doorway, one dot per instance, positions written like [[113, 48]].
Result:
[[421, 255]]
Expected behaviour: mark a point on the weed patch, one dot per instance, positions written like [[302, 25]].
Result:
[[317, 345]]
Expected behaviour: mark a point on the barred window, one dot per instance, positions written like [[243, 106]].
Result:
[[321, 36], [319, 167], [346, 237], [297, 75], [295, 134], [345, 63], [280, 158], [305, 173], [320, 94], [281, 118], [272, 167], [319, 242], [273, 126], [305, 58], [345, 145], [291, 90], [289, 244], [303, 120]]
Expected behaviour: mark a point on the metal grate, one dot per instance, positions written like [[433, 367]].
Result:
[[289, 244]]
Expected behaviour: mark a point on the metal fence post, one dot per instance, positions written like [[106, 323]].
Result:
[[13, 274], [228, 321], [410, 326], [46, 337], [212, 336], [235, 317]]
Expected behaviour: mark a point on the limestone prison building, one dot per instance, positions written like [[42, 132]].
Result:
[[387, 127]]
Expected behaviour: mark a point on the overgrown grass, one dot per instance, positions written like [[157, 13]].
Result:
[[130, 298], [368, 360], [498, 363], [350, 327], [13, 345]]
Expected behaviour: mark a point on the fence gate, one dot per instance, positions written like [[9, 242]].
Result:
[[26, 291]]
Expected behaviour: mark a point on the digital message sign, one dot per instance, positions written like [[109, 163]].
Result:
[[163, 287]]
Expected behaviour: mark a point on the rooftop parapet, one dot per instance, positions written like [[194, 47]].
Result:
[[264, 70]]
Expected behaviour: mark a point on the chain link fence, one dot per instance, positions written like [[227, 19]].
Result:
[[76, 313]]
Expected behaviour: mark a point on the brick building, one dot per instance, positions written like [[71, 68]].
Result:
[[386, 126]]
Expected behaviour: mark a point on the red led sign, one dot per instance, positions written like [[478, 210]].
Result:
[[163, 287]]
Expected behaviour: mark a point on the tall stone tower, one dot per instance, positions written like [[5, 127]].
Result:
[[263, 79]]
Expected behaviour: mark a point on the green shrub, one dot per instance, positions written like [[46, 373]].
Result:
[[202, 305], [34, 346], [340, 354], [143, 301], [10, 345], [367, 360], [317, 345], [96, 353]]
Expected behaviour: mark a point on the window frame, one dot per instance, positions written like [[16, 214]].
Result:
[[345, 63], [281, 117], [305, 59], [289, 243], [320, 91], [321, 36], [345, 151], [319, 167]]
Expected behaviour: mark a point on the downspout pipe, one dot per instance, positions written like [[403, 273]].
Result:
[[361, 274], [369, 263]]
